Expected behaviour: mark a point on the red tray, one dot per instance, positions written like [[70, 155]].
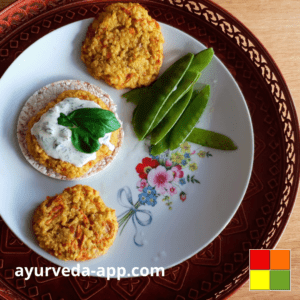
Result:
[[223, 266]]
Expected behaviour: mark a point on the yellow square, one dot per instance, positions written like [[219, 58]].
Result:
[[259, 279]]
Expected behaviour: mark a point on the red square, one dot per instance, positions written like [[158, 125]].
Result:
[[259, 259]]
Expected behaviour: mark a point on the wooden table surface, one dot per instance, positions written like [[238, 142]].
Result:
[[276, 23]]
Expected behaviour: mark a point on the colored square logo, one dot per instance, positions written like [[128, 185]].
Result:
[[280, 280], [270, 270], [280, 260], [259, 259], [259, 280]]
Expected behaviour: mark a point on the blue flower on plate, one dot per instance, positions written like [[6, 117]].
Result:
[[182, 181], [187, 155], [151, 200], [184, 162], [148, 196], [149, 191], [143, 198]]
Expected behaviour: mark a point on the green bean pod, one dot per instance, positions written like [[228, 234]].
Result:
[[136, 95], [171, 118], [189, 118], [201, 60], [183, 87], [211, 139], [148, 109], [162, 146]]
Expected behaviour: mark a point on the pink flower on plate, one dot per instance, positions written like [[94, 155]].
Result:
[[168, 163], [177, 172], [160, 179], [142, 184], [172, 190]]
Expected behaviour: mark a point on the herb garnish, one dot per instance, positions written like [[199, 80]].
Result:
[[87, 126]]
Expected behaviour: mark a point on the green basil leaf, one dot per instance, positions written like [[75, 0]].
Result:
[[83, 142], [95, 119], [64, 120], [87, 114], [87, 126], [94, 129]]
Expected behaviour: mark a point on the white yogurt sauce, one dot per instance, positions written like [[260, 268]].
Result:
[[55, 139]]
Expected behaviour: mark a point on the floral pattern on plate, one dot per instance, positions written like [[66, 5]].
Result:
[[163, 177]]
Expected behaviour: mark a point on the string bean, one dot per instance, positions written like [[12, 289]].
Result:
[[189, 118], [211, 139], [162, 146], [171, 118], [148, 109]]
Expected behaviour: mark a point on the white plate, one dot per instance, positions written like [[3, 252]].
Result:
[[172, 235]]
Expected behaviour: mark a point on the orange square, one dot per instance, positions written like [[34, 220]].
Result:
[[280, 259]]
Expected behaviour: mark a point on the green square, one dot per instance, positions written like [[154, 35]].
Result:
[[280, 280]]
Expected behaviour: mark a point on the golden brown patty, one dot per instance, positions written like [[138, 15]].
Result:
[[124, 46], [75, 225], [61, 167]]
